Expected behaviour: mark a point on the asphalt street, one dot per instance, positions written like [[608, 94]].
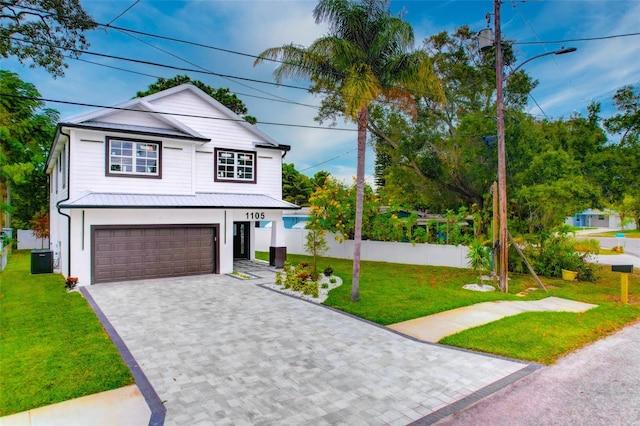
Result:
[[597, 385], [631, 245]]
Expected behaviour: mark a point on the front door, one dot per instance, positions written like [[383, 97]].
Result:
[[241, 233]]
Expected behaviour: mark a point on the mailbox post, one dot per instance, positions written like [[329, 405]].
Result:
[[624, 280]]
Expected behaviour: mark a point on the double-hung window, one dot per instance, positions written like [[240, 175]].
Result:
[[137, 158], [236, 166]]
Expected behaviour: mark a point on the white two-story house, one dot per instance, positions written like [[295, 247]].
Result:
[[167, 185]]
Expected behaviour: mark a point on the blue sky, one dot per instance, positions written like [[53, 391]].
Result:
[[567, 83]]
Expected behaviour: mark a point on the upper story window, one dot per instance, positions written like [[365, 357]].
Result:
[[126, 157], [236, 166]]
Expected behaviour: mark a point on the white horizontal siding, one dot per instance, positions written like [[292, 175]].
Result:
[[184, 171], [268, 182], [88, 163]]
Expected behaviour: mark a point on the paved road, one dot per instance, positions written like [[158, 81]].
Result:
[[225, 351], [597, 385], [631, 245]]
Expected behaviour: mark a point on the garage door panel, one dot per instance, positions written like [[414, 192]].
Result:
[[135, 253]]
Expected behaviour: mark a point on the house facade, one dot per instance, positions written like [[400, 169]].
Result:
[[592, 218], [167, 185]]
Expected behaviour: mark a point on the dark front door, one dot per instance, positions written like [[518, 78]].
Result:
[[241, 240]]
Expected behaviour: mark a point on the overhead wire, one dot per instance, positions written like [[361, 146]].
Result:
[[205, 69], [123, 12], [526, 21]]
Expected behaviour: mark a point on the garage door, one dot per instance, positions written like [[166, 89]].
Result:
[[133, 253]]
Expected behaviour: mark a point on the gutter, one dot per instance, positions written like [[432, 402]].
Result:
[[68, 165]]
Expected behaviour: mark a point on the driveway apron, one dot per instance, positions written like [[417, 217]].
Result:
[[220, 350]]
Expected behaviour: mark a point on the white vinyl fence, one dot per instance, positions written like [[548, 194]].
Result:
[[406, 253], [28, 240]]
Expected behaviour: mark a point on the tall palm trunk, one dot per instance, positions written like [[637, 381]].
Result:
[[363, 119]]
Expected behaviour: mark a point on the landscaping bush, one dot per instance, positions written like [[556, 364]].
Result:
[[557, 252]]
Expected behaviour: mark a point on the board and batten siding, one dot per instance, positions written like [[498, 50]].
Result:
[[88, 162]]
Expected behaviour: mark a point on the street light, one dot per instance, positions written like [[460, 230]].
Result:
[[503, 233], [560, 51]]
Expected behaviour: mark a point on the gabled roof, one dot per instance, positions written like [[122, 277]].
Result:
[[147, 103], [174, 128], [100, 200]]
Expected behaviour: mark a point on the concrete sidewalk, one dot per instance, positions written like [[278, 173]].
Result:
[[434, 327], [124, 406]]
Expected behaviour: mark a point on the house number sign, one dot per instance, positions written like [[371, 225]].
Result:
[[256, 215]]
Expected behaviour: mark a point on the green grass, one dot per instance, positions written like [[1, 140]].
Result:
[[53, 346], [391, 293]]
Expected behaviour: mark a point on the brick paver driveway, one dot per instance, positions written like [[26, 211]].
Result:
[[219, 350]]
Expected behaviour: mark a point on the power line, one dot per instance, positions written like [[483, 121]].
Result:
[[158, 77], [123, 12], [328, 161], [578, 39], [203, 68], [193, 44]]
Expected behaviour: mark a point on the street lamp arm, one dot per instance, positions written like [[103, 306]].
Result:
[[555, 52]]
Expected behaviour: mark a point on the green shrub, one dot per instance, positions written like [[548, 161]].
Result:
[[556, 252]]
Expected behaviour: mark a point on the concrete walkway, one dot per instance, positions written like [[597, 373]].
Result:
[[435, 327], [124, 406]]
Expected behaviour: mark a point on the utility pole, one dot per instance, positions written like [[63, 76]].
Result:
[[503, 239]]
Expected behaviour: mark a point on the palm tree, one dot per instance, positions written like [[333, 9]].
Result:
[[366, 57]]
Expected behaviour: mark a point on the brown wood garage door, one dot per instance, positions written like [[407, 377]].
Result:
[[133, 253]]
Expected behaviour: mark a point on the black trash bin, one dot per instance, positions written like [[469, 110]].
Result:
[[41, 261]]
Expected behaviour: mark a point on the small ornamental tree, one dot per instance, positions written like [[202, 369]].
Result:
[[316, 245], [332, 208], [40, 226]]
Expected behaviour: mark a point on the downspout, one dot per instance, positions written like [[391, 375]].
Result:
[[68, 165]]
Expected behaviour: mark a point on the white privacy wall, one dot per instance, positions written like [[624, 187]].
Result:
[[406, 253]]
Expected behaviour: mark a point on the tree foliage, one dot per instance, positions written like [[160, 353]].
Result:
[[366, 56], [296, 187], [447, 155], [627, 120], [222, 95], [44, 32], [26, 131]]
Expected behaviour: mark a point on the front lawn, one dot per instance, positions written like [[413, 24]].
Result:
[[53, 347], [391, 293]]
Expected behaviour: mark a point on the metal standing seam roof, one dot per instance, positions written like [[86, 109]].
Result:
[[95, 200]]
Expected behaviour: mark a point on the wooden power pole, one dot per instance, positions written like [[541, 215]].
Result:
[[503, 239]]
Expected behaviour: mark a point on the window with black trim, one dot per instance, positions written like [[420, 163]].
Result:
[[138, 158], [235, 166]]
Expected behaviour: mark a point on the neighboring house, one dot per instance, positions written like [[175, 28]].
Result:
[[592, 218], [167, 185]]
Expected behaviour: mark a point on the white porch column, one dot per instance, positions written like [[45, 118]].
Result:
[[278, 248]]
